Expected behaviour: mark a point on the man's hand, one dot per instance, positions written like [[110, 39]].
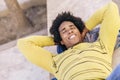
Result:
[[84, 33]]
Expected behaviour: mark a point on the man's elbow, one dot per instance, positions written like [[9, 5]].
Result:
[[21, 43]]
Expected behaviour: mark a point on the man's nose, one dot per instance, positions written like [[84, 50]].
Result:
[[70, 31]]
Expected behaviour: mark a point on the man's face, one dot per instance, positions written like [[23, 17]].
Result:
[[70, 34]]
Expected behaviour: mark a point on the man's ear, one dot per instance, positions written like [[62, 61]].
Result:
[[62, 42]]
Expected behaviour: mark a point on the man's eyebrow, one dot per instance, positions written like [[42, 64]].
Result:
[[72, 25], [62, 29]]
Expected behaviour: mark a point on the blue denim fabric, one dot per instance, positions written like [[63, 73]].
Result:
[[60, 49], [92, 35], [118, 41], [53, 79], [115, 75]]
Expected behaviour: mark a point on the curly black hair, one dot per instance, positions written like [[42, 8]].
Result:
[[65, 16]]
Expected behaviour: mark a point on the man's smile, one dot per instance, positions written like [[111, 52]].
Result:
[[72, 36]]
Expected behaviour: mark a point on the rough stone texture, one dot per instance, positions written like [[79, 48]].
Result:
[[36, 16]]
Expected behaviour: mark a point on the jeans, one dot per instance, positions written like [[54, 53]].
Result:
[[115, 75]]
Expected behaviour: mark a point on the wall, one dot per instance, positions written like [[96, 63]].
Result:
[[24, 4]]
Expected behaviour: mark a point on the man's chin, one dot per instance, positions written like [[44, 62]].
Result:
[[76, 43]]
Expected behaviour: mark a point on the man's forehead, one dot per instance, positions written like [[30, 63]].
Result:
[[65, 24]]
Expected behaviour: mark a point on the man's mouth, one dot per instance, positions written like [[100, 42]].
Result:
[[71, 37]]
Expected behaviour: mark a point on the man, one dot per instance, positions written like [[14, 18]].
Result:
[[79, 61]]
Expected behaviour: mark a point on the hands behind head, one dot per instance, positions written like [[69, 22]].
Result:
[[84, 33]]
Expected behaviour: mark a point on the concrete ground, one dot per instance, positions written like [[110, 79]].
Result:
[[13, 65]]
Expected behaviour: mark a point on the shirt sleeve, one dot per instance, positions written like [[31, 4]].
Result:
[[96, 18], [109, 18], [31, 47]]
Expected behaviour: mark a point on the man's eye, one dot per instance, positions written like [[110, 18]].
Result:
[[72, 27], [64, 31]]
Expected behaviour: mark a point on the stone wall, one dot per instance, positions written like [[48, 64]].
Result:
[[23, 3], [36, 14]]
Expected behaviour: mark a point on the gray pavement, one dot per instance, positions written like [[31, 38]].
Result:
[[13, 65]]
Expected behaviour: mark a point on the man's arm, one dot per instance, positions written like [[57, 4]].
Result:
[[94, 20], [31, 47], [116, 58], [85, 30], [109, 18]]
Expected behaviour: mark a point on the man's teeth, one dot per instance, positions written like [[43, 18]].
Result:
[[72, 36]]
